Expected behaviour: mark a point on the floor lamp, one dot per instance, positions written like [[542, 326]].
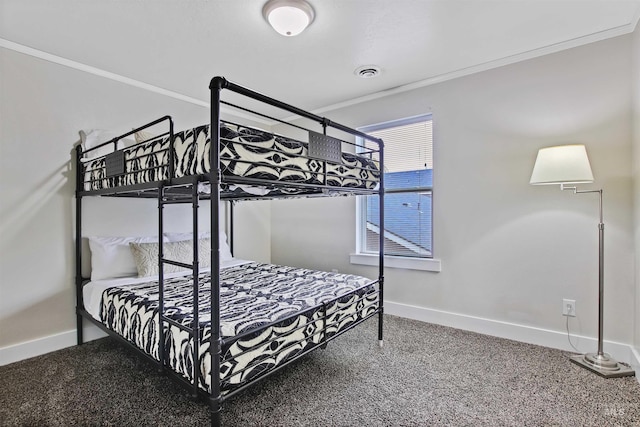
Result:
[[568, 165]]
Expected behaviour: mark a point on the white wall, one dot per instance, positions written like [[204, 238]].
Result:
[[43, 106], [635, 81], [510, 252]]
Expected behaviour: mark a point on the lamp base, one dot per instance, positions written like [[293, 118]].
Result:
[[603, 365]]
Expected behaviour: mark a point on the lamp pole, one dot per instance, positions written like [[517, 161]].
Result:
[[600, 362]]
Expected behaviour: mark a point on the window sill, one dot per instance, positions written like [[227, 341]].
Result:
[[424, 264]]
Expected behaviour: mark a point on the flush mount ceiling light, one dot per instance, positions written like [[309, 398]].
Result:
[[288, 17], [367, 71]]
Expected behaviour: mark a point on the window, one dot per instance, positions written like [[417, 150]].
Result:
[[408, 174]]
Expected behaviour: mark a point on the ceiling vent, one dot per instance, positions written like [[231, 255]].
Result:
[[367, 71]]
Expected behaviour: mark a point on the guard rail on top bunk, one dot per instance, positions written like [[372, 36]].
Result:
[[164, 190]]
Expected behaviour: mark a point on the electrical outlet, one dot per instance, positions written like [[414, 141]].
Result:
[[569, 307]]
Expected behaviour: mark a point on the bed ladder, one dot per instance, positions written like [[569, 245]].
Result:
[[163, 200]]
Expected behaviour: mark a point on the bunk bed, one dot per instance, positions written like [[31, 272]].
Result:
[[212, 322]]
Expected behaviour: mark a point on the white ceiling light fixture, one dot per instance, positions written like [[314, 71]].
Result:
[[288, 17]]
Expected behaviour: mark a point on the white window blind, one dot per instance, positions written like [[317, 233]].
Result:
[[407, 147], [408, 167]]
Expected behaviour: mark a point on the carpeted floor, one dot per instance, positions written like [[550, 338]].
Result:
[[426, 375]]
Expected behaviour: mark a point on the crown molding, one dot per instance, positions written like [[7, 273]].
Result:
[[507, 60], [26, 50]]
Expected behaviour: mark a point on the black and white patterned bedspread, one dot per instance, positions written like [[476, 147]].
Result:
[[269, 314], [244, 152]]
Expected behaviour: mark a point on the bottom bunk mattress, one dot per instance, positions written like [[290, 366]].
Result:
[[269, 314]]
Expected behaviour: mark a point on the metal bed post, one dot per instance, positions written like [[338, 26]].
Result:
[[216, 86], [231, 226], [161, 355], [172, 158], [195, 329], [79, 306], [325, 177], [381, 248], [161, 202]]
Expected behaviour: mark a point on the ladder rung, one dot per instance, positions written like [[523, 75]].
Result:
[[177, 325], [179, 264], [177, 201]]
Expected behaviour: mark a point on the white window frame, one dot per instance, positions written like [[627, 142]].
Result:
[[363, 257]]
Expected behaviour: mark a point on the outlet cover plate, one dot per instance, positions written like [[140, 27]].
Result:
[[569, 307]]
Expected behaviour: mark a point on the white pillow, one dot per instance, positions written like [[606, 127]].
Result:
[[143, 135], [225, 251], [111, 256], [93, 137], [146, 255]]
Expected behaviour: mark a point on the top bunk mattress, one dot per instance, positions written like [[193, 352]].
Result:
[[248, 155]]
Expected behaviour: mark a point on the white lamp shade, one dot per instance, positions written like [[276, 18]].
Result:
[[564, 164], [288, 17]]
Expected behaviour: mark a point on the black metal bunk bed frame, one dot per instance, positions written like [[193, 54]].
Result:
[[185, 190]]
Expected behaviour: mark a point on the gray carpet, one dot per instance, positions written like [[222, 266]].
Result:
[[426, 375]]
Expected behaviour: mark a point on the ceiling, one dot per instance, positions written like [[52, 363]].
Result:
[[179, 45]]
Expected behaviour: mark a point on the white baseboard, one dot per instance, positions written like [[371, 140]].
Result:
[[25, 350], [544, 337], [635, 361]]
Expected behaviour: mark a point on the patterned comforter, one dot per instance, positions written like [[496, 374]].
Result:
[[269, 314], [244, 152]]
